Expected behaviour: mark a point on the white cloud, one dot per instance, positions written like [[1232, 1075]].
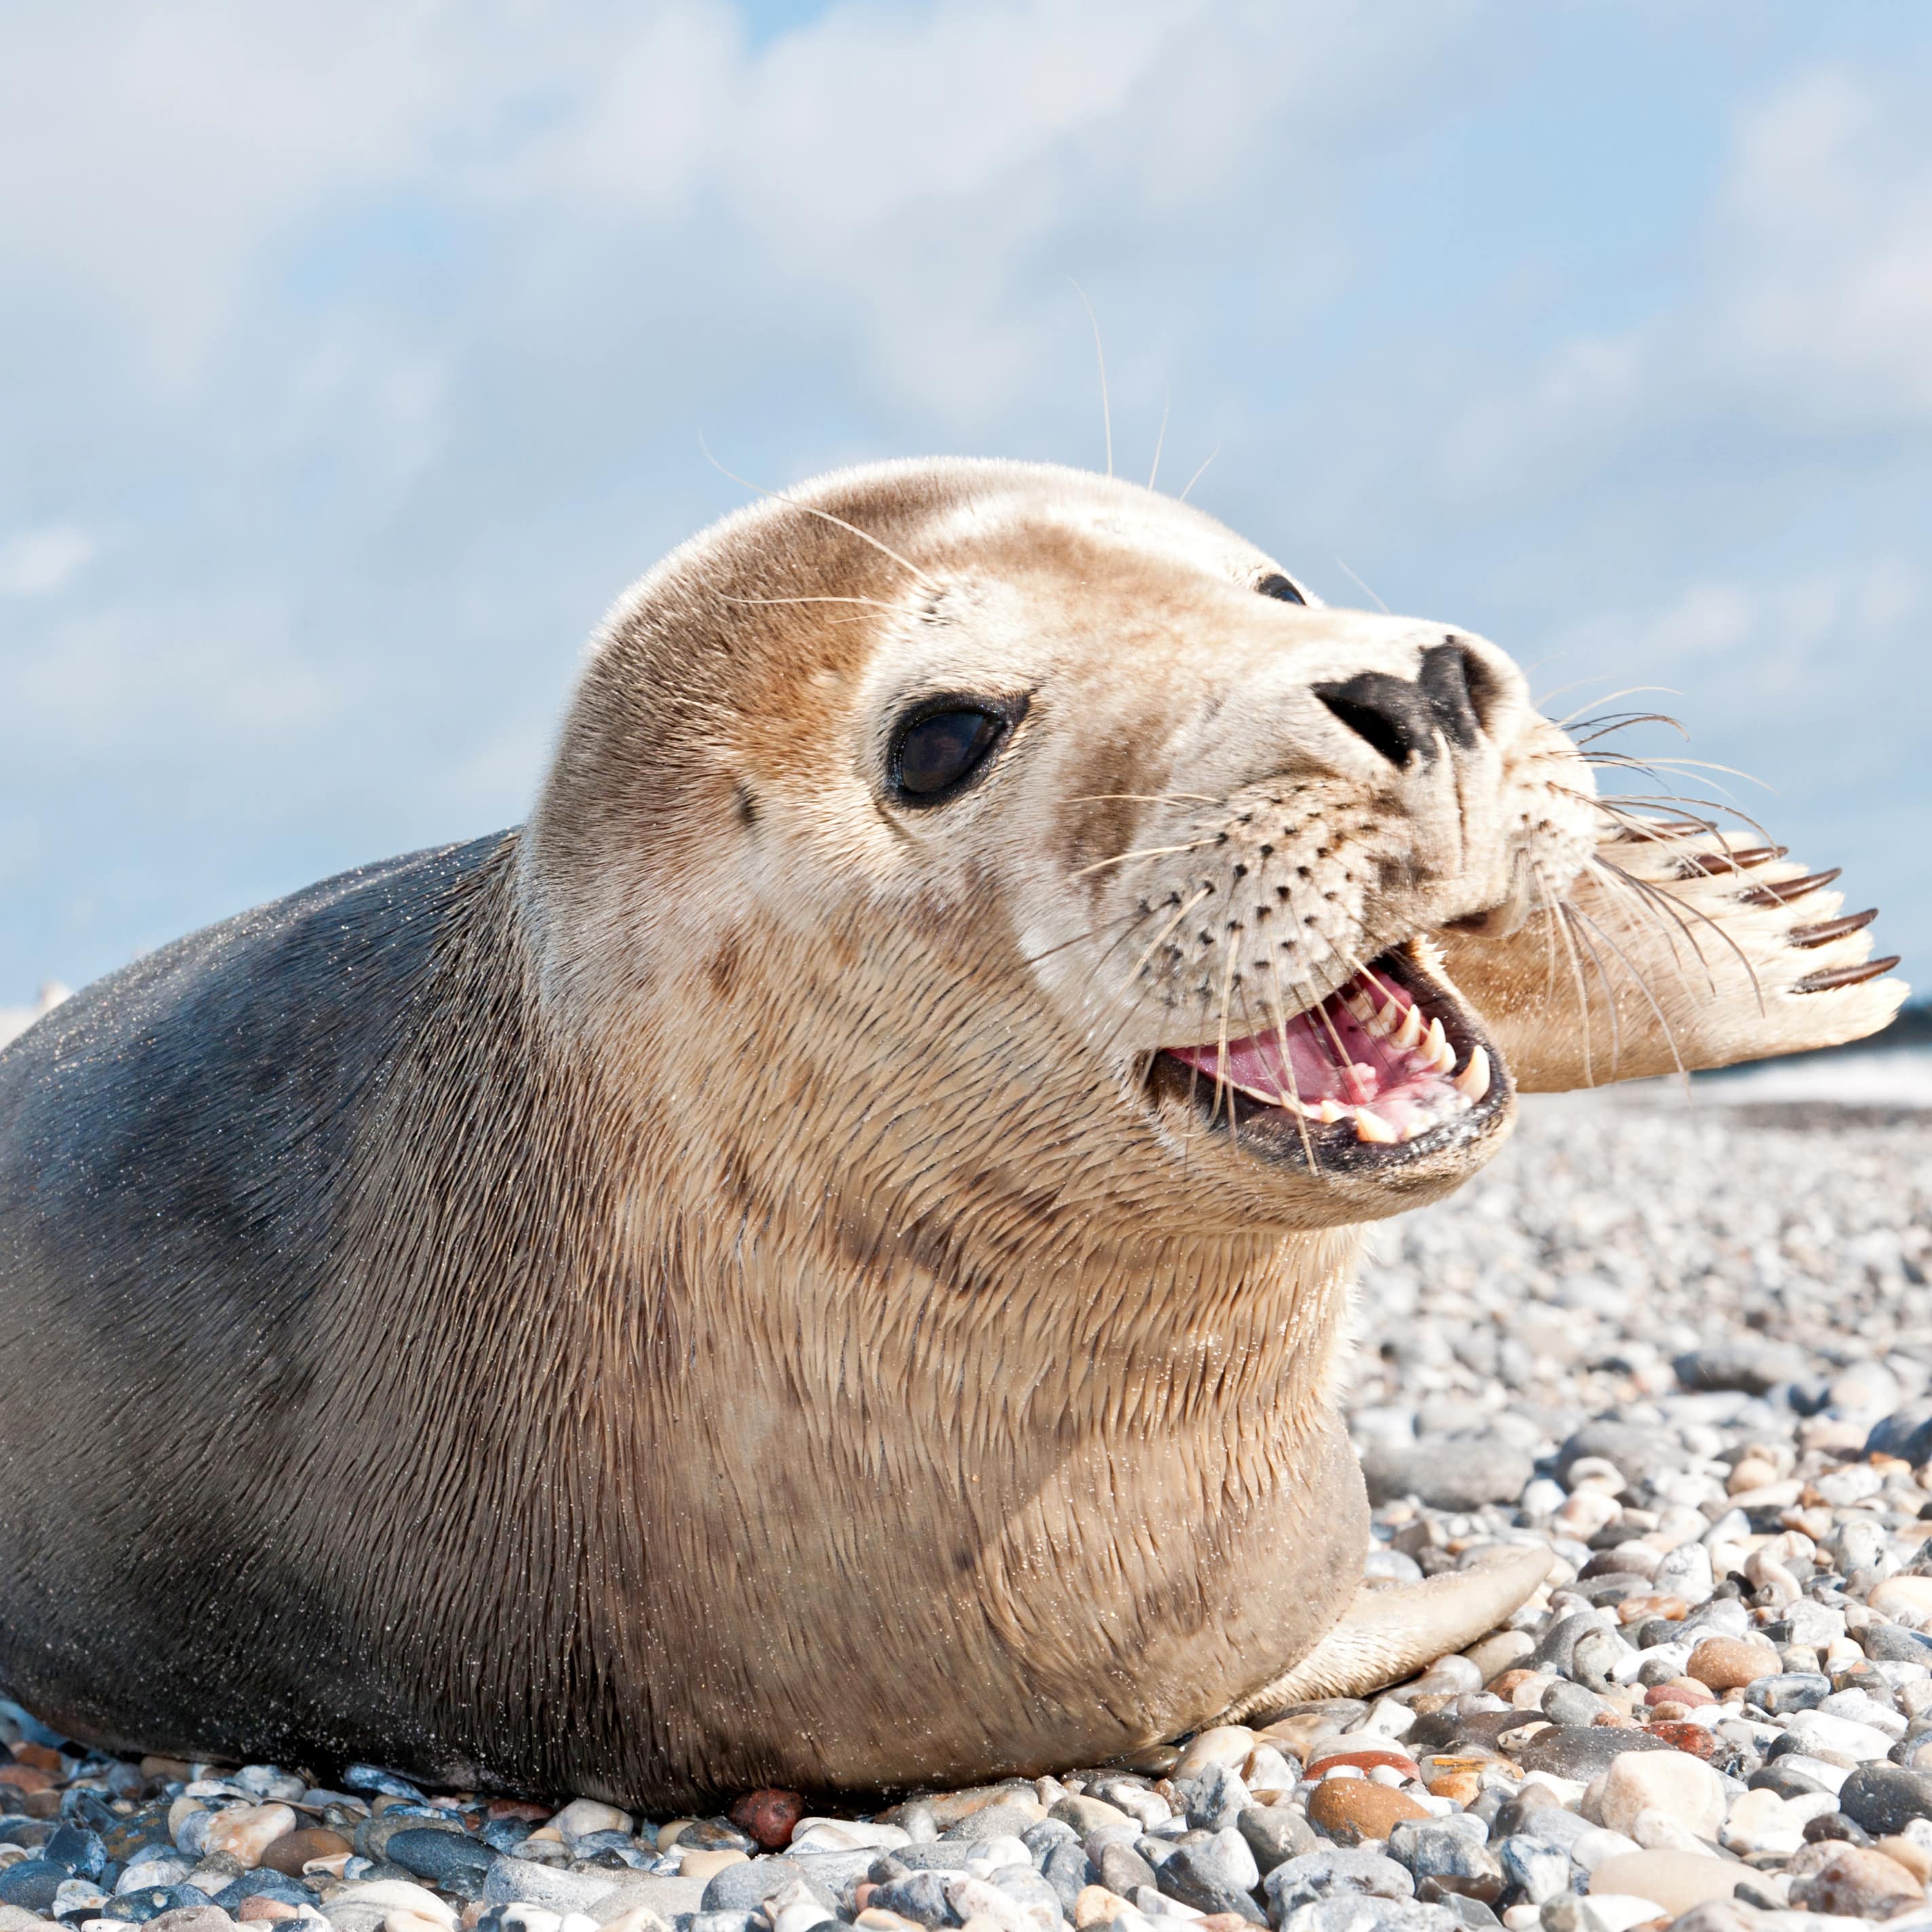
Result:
[[37, 562]]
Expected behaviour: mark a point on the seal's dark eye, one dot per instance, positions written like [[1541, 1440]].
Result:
[[1275, 585], [935, 753]]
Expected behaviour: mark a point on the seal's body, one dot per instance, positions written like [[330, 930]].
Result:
[[819, 1259]]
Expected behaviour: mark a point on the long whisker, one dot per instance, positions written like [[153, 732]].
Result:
[[876, 603], [1092, 932], [1160, 938], [1199, 473], [1643, 987], [1100, 356], [1145, 852], [1569, 914], [1160, 441], [1360, 586], [1146, 798], [1288, 1067], [824, 516], [1608, 724], [1628, 691], [1562, 927]]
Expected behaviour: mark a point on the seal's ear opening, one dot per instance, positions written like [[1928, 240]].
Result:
[[940, 747]]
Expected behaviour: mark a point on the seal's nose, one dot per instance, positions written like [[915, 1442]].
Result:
[[1405, 719]]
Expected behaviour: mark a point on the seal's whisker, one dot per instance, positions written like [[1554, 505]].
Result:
[[1160, 938], [1146, 798], [1360, 586], [1100, 356], [1643, 986], [1562, 928], [1092, 932], [824, 516], [1199, 473], [876, 603], [1145, 852], [1160, 441], [1657, 895], [1607, 723], [1628, 691], [1288, 1067], [1569, 915]]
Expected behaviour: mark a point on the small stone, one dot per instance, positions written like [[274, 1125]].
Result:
[[1089, 1814], [1817, 1731], [1727, 1663], [450, 1860], [1227, 1745], [264, 1911], [768, 1816], [1322, 1874], [1222, 1860], [1537, 1869], [1350, 1809], [1884, 1799], [1096, 1906], [1275, 1833], [292, 1850], [706, 1864], [1580, 1754], [1668, 1781], [747, 1885], [1906, 1599], [1855, 1882], [1369, 1759], [245, 1831], [1441, 1849], [1124, 1870], [1451, 1472], [192, 1918], [1686, 1572], [1675, 1880]]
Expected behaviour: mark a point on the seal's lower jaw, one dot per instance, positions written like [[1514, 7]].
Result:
[[1389, 1074]]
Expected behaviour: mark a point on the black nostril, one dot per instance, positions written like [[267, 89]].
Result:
[[1459, 689], [1390, 713]]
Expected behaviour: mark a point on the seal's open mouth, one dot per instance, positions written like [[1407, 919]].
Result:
[[1388, 1059]]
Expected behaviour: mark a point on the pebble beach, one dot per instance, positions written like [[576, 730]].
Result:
[[1683, 1342]]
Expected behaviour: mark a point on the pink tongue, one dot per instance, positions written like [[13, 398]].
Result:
[[1311, 1072]]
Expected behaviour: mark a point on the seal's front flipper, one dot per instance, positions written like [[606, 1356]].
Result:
[[1390, 1633], [1677, 947]]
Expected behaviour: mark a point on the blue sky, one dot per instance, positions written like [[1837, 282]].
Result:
[[356, 358]]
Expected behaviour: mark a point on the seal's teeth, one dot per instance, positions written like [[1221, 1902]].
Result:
[[1329, 1111], [1361, 1009], [1419, 1123], [1474, 1080], [1436, 1049], [1369, 1126], [1385, 1021], [1406, 1036]]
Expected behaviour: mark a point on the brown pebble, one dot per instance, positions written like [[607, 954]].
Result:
[[1914, 1857], [1640, 1610], [293, 1850], [251, 1910], [1503, 1687], [25, 1777], [1695, 1740], [42, 1757], [39, 1804], [1221, 1921], [1679, 1690], [499, 1808], [1858, 1882], [166, 1767], [1350, 1809], [1725, 1663], [768, 1815]]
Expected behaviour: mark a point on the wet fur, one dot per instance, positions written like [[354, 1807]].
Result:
[[694, 1293]]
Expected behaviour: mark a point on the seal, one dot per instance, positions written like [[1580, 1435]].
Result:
[[860, 1194]]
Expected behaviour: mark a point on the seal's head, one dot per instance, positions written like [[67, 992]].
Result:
[[1084, 833]]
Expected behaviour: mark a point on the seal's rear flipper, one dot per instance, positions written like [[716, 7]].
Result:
[[1389, 1633]]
